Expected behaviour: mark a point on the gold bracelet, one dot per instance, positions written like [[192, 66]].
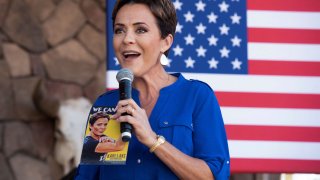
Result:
[[160, 140]]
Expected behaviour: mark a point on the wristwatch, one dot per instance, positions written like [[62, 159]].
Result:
[[160, 140]]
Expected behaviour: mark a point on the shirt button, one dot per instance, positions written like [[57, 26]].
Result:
[[166, 122], [139, 161], [228, 162]]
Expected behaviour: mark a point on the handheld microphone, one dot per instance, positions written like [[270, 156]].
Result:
[[125, 78]]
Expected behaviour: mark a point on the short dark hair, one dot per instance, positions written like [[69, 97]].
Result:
[[94, 117], [163, 10]]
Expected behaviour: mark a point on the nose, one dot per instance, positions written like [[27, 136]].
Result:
[[129, 38]]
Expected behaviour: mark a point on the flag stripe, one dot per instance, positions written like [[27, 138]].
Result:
[[274, 149], [284, 51], [274, 165], [284, 35], [245, 83], [252, 83], [283, 19], [275, 133], [271, 116], [273, 100], [284, 5], [284, 68]]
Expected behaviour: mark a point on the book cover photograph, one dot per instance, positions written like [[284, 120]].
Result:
[[102, 142]]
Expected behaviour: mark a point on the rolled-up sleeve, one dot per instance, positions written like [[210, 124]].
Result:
[[209, 137]]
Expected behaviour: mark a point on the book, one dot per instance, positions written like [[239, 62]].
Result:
[[102, 141]]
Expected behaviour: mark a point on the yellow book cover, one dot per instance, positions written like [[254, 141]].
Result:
[[102, 142]]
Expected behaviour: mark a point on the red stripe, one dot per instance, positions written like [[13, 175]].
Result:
[[284, 35], [274, 166], [273, 100], [284, 5], [284, 68], [278, 133]]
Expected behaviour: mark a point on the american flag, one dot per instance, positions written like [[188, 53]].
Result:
[[262, 58]]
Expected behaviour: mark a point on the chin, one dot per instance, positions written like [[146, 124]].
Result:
[[99, 133], [134, 69]]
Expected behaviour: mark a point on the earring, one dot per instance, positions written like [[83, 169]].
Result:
[[164, 60]]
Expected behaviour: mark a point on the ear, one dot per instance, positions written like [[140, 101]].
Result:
[[166, 43]]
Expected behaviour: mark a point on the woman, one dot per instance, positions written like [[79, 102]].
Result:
[[178, 128], [97, 144]]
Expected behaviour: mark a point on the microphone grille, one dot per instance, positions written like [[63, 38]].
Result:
[[124, 74]]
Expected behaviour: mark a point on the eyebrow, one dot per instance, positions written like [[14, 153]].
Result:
[[135, 24]]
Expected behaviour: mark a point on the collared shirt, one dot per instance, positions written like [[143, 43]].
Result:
[[188, 115]]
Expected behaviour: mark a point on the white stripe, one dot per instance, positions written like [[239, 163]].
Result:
[[283, 19], [245, 83], [259, 83], [274, 149], [271, 116], [284, 52], [111, 80]]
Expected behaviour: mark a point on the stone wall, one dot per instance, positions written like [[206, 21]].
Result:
[[50, 51]]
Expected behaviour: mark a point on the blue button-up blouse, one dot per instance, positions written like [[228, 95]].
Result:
[[188, 115]]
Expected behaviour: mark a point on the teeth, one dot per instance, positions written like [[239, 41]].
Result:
[[127, 54], [130, 53]]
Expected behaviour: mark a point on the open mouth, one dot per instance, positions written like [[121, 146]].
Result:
[[130, 54]]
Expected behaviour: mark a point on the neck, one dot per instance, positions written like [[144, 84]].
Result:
[[150, 82], [149, 86], [94, 136]]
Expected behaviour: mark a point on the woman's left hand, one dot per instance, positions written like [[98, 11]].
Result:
[[138, 119]]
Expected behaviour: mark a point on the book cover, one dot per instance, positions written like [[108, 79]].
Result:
[[102, 141]]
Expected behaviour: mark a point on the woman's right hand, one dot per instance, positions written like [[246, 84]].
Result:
[[106, 139], [138, 119]]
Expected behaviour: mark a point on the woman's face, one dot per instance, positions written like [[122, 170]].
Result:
[[137, 40], [99, 126]]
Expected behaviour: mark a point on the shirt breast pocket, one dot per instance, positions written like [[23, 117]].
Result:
[[179, 133]]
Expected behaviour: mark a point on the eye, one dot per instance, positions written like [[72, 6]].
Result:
[[118, 30], [141, 30]]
